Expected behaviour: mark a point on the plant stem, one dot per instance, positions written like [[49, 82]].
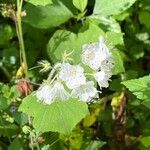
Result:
[[38, 147], [31, 138], [20, 36]]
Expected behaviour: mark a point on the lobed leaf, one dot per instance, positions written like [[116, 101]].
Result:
[[60, 116], [68, 41]]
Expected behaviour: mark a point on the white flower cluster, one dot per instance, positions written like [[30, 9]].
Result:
[[95, 55], [49, 93], [99, 58]]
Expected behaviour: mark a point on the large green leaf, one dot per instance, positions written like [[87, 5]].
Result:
[[39, 2], [47, 16], [115, 38], [139, 87], [68, 41], [60, 116], [113, 7]]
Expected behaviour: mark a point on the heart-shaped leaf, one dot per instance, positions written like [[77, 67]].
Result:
[[60, 116]]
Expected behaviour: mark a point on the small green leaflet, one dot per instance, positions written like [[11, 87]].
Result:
[[80, 4], [140, 88], [60, 116], [113, 7]]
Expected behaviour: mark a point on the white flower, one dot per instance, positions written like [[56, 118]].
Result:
[[102, 77], [107, 65], [91, 55], [49, 93], [58, 92], [44, 94], [72, 75], [85, 92], [94, 55], [104, 50]]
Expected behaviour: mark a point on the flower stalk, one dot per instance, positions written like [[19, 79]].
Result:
[[20, 36]]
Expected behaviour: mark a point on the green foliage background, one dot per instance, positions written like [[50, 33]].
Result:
[[52, 27]]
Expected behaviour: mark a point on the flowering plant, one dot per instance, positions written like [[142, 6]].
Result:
[[64, 66], [95, 55]]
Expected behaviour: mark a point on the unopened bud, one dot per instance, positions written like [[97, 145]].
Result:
[[26, 129]]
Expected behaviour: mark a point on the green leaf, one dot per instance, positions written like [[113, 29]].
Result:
[[16, 145], [68, 41], [115, 38], [7, 129], [80, 4], [39, 2], [6, 33], [10, 53], [106, 23], [47, 16], [139, 87], [3, 103], [60, 116], [145, 141], [113, 7], [20, 118], [92, 145], [144, 18], [118, 62], [146, 103]]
